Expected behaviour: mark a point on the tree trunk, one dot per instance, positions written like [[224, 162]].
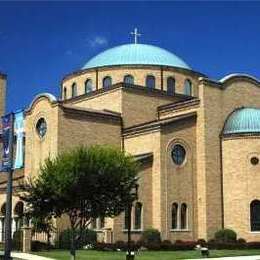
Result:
[[72, 245]]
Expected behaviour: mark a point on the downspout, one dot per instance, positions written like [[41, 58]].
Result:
[[221, 181]]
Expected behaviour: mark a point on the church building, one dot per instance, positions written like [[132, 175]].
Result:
[[197, 140]]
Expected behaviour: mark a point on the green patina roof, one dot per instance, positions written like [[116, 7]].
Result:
[[243, 121], [136, 54]]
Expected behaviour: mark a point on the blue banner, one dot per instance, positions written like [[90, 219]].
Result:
[[7, 137], [19, 133]]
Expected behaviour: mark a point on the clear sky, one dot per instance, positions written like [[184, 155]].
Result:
[[41, 42]]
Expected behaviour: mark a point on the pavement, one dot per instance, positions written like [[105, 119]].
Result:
[[26, 256], [251, 257]]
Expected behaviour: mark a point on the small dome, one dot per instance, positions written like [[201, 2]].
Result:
[[136, 54], [243, 121]]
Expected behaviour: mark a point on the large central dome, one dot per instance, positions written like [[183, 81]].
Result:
[[136, 54]]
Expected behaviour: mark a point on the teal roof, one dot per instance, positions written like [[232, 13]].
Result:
[[243, 121], [135, 54]]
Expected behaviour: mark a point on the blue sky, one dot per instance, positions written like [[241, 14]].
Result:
[[40, 42]]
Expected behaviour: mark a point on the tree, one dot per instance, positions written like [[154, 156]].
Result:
[[84, 183], [43, 224]]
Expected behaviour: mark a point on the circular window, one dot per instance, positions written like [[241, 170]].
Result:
[[41, 127], [178, 154], [254, 160]]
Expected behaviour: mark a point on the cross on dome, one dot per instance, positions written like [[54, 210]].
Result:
[[136, 35]]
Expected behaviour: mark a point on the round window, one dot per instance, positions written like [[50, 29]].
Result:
[[254, 160], [178, 154], [41, 127]]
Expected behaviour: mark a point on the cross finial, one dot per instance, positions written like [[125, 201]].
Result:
[[136, 34]]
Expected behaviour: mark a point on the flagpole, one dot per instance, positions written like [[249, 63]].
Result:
[[9, 191]]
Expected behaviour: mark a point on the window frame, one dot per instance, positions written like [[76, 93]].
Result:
[[251, 216], [74, 90], [150, 77], [140, 219], [172, 93], [176, 205], [129, 76], [104, 80], [65, 93], [86, 86], [188, 87]]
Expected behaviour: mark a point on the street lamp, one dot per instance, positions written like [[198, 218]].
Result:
[[130, 255]]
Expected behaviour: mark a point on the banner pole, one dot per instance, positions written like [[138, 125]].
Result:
[[8, 224], [9, 191]]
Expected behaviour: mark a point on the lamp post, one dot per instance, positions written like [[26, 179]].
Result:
[[130, 255]]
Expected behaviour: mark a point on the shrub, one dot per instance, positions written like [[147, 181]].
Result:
[[40, 246], [166, 245], [253, 245], [151, 236], [88, 237], [241, 241], [121, 245], [154, 246], [184, 245], [226, 235], [17, 241]]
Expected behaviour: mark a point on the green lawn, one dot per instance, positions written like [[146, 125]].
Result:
[[151, 255]]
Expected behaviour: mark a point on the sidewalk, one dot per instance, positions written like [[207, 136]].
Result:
[[251, 257], [29, 256]]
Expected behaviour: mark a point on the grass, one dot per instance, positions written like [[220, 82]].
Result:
[[151, 255]]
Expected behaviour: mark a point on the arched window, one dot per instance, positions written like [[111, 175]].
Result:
[[107, 82], [18, 215], [150, 81], [183, 216], [74, 90], [88, 86], [65, 93], [102, 222], [126, 224], [174, 216], [129, 79], [255, 215], [94, 223], [138, 216], [187, 87], [170, 86]]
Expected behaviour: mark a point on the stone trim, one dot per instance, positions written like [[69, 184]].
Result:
[[105, 115], [132, 66], [156, 124], [144, 158], [177, 105], [129, 88], [225, 82], [240, 136]]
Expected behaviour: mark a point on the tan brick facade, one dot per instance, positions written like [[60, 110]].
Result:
[[216, 181]]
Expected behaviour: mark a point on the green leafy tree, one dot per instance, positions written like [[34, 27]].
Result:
[[84, 183], [43, 224]]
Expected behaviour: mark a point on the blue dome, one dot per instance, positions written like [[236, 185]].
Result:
[[243, 121], [136, 54]]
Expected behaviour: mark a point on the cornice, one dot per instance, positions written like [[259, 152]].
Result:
[[227, 80], [107, 115], [252, 135], [178, 105], [128, 88], [156, 125]]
